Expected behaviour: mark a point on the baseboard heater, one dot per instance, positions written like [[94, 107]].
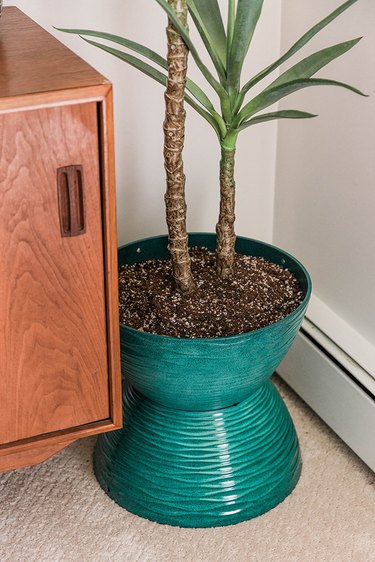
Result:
[[339, 390]]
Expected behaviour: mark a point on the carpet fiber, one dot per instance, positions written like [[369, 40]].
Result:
[[57, 512]]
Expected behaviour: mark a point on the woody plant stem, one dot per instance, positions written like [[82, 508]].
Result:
[[174, 134], [226, 238]]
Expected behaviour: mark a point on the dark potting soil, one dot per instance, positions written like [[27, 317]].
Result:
[[258, 294]]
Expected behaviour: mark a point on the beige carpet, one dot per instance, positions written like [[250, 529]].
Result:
[[57, 512]]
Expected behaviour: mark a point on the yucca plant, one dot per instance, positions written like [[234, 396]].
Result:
[[227, 46]]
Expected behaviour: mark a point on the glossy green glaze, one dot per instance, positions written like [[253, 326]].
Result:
[[207, 440], [221, 371], [200, 469]]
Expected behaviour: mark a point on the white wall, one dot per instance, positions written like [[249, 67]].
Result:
[[139, 115], [325, 188]]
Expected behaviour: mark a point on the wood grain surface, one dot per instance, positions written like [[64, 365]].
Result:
[[59, 333], [15, 459], [53, 341], [107, 159], [32, 61]]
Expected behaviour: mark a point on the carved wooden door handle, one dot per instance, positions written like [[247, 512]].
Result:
[[71, 197]]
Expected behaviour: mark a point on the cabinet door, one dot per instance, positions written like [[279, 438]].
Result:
[[53, 348]]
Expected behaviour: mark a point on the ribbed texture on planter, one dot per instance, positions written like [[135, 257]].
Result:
[[201, 469], [207, 440]]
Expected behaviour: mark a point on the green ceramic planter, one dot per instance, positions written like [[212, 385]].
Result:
[[207, 440]]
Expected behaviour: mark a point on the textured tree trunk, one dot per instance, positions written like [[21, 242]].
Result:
[[226, 237], [174, 133]]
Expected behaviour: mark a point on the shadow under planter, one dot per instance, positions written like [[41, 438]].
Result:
[[207, 439]]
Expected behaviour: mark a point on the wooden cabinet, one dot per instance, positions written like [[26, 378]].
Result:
[[59, 329]]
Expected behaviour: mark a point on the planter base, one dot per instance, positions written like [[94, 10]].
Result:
[[200, 469]]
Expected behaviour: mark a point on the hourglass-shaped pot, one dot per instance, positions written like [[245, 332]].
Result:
[[207, 439]]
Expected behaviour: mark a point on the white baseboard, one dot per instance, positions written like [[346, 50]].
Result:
[[345, 336], [347, 404]]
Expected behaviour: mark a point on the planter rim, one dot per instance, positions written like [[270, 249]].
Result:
[[235, 337]]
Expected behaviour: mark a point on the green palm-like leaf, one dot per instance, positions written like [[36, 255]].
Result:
[[247, 16], [285, 114], [228, 51], [310, 65], [186, 37], [199, 95], [131, 60], [294, 49], [132, 45], [270, 96], [207, 18], [230, 26], [216, 123], [151, 55]]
